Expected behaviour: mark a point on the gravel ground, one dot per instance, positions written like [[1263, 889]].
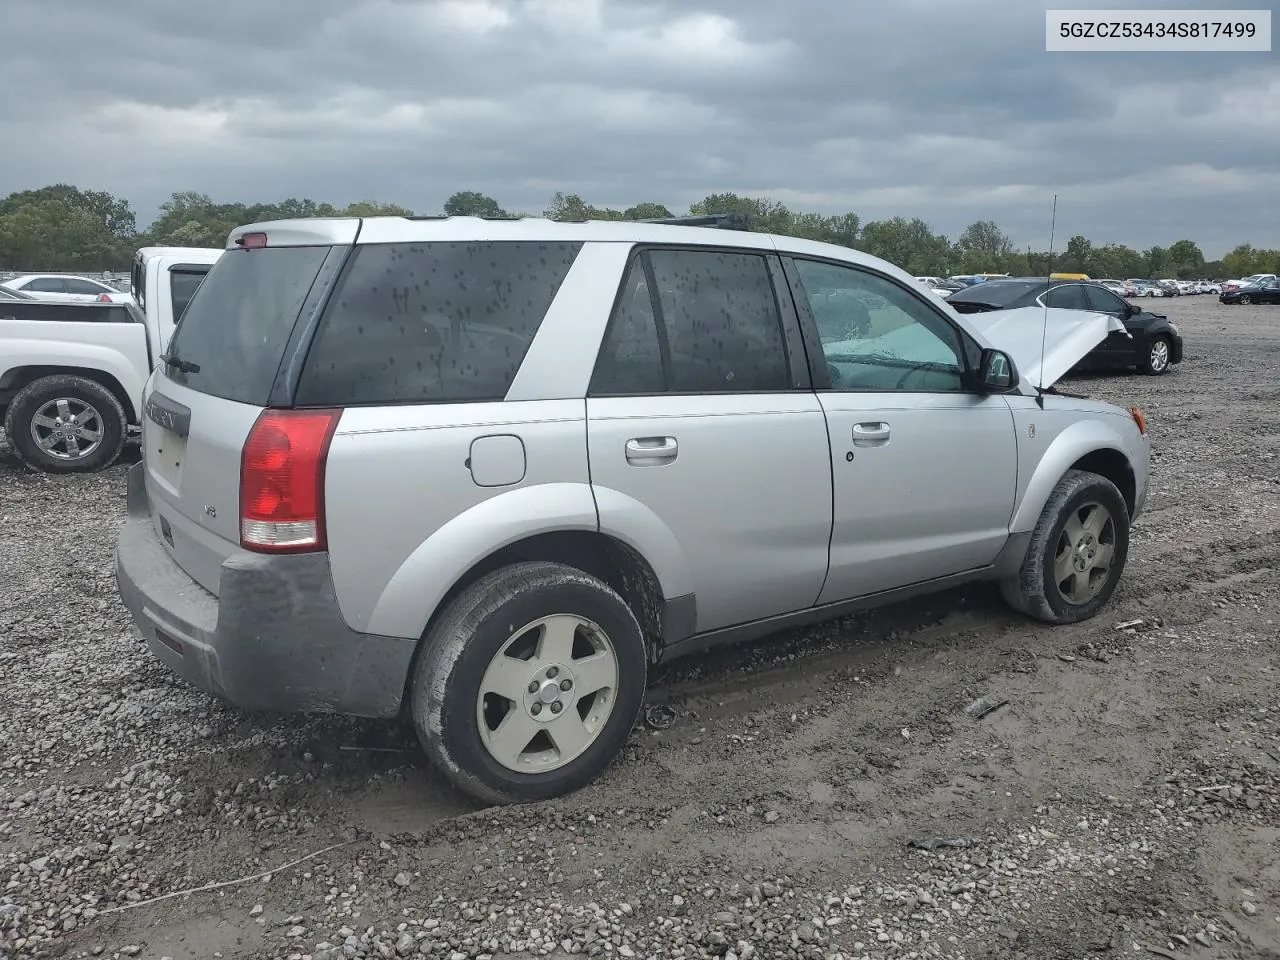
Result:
[[823, 794]]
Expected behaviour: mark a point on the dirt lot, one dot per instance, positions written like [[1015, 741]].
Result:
[[1125, 801]]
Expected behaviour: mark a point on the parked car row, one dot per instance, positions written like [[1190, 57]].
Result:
[[1134, 287], [1263, 289], [946, 286], [59, 286]]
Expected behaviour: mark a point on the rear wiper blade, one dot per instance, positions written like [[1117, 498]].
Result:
[[186, 366]]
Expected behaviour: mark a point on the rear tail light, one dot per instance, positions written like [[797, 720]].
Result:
[[252, 241], [282, 480], [104, 298]]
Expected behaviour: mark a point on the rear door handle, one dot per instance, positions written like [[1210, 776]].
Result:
[[870, 434], [651, 451]]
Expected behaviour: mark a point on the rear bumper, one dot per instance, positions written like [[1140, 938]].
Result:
[[274, 639]]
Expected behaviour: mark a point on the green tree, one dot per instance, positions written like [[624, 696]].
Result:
[[766, 216], [371, 208], [1078, 257], [470, 203], [1157, 262], [288, 209], [1246, 260], [981, 246], [646, 211], [909, 244], [51, 234], [1186, 259], [570, 206], [115, 215]]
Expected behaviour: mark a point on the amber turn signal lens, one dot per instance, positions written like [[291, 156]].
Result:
[[1139, 418]]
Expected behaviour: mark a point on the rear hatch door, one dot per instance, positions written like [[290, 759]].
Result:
[[218, 375]]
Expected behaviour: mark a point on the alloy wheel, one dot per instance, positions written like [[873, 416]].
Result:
[[547, 694], [68, 428], [1086, 547], [1159, 357]]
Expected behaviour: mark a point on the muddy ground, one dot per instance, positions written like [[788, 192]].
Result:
[[1124, 802]]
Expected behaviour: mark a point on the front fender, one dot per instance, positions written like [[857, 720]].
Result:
[[430, 572], [1077, 440]]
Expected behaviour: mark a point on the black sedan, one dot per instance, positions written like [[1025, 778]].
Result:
[[1153, 343], [1266, 292]]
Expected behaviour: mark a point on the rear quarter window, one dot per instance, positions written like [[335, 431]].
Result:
[[432, 322]]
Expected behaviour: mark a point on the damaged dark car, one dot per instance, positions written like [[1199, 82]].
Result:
[[1149, 343]]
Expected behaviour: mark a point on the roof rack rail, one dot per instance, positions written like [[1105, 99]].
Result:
[[722, 221]]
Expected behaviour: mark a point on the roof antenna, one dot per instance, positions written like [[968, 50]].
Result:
[[1044, 329]]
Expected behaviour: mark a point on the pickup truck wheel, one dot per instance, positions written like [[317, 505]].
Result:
[[529, 683], [66, 424], [1077, 552]]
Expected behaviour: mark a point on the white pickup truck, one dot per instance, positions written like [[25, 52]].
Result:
[[71, 374]]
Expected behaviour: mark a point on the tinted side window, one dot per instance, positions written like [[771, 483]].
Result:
[[45, 285], [1104, 301], [630, 359], [137, 286], [721, 319], [182, 287], [432, 322], [83, 287], [1068, 296]]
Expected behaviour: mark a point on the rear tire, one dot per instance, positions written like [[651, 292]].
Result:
[[473, 681], [1245, 299], [66, 424], [1060, 580]]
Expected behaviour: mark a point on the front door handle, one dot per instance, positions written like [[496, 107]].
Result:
[[870, 434], [651, 451]]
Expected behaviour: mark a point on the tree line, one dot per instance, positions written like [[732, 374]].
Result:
[[64, 228]]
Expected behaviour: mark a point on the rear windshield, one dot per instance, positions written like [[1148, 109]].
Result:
[[183, 282], [234, 332], [432, 322], [997, 293]]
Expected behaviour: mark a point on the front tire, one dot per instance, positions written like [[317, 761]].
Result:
[[529, 683], [1156, 362], [66, 424], [1245, 299], [1077, 552]]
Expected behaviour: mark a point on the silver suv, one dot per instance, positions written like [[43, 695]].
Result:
[[485, 473]]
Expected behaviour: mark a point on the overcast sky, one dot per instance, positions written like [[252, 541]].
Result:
[[950, 111]]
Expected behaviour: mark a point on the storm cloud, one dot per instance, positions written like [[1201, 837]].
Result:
[[948, 111]]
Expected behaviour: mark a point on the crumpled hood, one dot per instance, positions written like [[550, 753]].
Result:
[[1067, 336]]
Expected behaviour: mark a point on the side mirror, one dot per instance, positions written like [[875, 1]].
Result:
[[996, 372]]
